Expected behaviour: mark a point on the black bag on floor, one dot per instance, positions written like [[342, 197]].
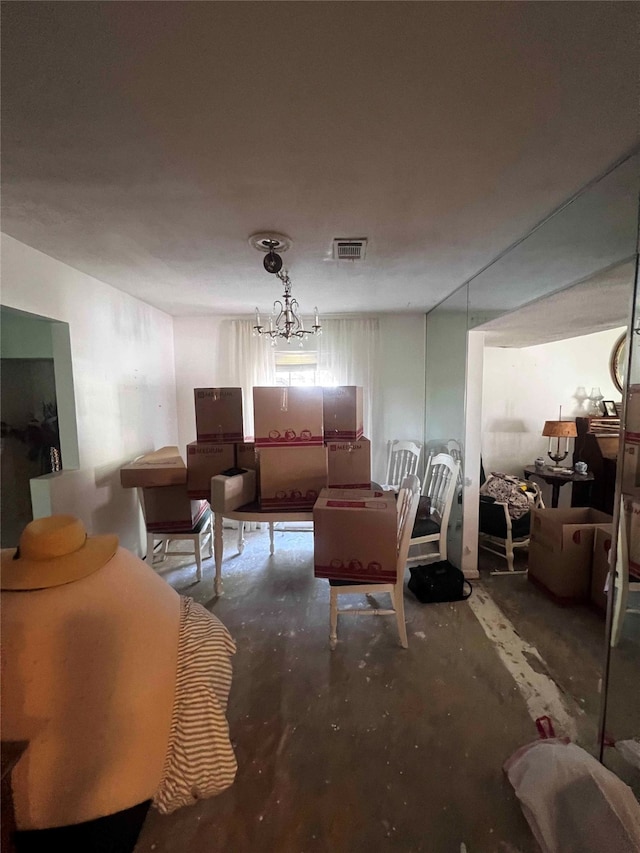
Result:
[[438, 582]]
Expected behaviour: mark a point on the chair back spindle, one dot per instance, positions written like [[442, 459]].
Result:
[[403, 458]]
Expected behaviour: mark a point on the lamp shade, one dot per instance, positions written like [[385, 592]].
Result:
[[560, 429]]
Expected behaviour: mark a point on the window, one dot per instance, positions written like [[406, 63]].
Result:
[[296, 368]]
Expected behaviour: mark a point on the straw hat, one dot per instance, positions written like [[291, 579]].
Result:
[[54, 551]]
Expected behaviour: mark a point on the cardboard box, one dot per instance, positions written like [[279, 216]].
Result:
[[342, 412], [164, 467], [354, 535], [219, 414], [286, 417], [169, 508], [600, 565], [204, 460], [291, 477], [349, 464], [246, 455], [561, 551], [229, 493]]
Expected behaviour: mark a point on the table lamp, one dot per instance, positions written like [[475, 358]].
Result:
[[562, 431]]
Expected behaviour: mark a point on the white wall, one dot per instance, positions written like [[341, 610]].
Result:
[[24, 337], [446, 388], [402, 376], [122, 358], [202, 361], [522, 388]]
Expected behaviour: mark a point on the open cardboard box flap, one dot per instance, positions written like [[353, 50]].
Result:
[[558, 529], [163, 467]]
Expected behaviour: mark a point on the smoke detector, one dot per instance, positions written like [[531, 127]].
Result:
[[349, 249]]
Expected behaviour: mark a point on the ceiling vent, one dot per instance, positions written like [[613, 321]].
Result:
[[349, 250]]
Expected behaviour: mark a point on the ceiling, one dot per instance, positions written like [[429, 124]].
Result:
[[603, 302], [143, 143]]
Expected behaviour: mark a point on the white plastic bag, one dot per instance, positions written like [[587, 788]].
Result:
[[629, 750], [572, 803]]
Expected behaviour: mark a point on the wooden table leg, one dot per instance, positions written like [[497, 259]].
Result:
[[555, 494], [218, 549]]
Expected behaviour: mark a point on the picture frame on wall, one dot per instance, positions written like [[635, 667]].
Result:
[[617, 361], [609, 409]]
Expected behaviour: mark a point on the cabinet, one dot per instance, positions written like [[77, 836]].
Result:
[[597, 444]]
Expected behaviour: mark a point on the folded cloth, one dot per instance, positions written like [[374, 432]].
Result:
[[200, 760]]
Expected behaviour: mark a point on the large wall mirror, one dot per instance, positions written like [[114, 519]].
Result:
[[542, 324], [620, 717]]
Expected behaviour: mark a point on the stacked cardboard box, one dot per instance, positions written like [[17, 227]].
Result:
[[219, 415], [349, 464], [342, 412], [292, 459], [288, 417], [219, 427], [246, 455], [162, 477], [355, 535], [169, 508], [298, 454], [230, 492], [348, 451], [204, 460], [163, 467]]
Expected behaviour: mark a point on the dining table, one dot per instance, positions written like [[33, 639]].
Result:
[[252, 512], [247, 513]]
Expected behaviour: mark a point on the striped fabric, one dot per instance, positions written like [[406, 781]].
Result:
[[200, 760]]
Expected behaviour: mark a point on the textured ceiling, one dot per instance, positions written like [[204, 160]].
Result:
[[602, 302], [144, 142]]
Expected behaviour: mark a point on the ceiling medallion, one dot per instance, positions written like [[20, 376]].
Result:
[[285, 321]]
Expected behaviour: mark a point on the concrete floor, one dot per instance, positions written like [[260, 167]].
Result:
[[372, 747]]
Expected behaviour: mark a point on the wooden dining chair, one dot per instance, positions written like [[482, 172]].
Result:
[[403, 458], [408, 497], [500, 534], [200, 536], [439, 487]]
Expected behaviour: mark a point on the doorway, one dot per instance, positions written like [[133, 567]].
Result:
[[37, 411]]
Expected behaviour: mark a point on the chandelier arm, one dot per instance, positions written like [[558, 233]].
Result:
[[278, 310]]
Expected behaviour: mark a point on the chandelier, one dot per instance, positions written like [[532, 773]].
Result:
[[285, 321]]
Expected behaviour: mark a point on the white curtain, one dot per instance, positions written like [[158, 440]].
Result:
[[252, 362], [348, 355]]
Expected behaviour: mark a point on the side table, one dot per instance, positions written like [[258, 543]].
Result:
[[557, 479]]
